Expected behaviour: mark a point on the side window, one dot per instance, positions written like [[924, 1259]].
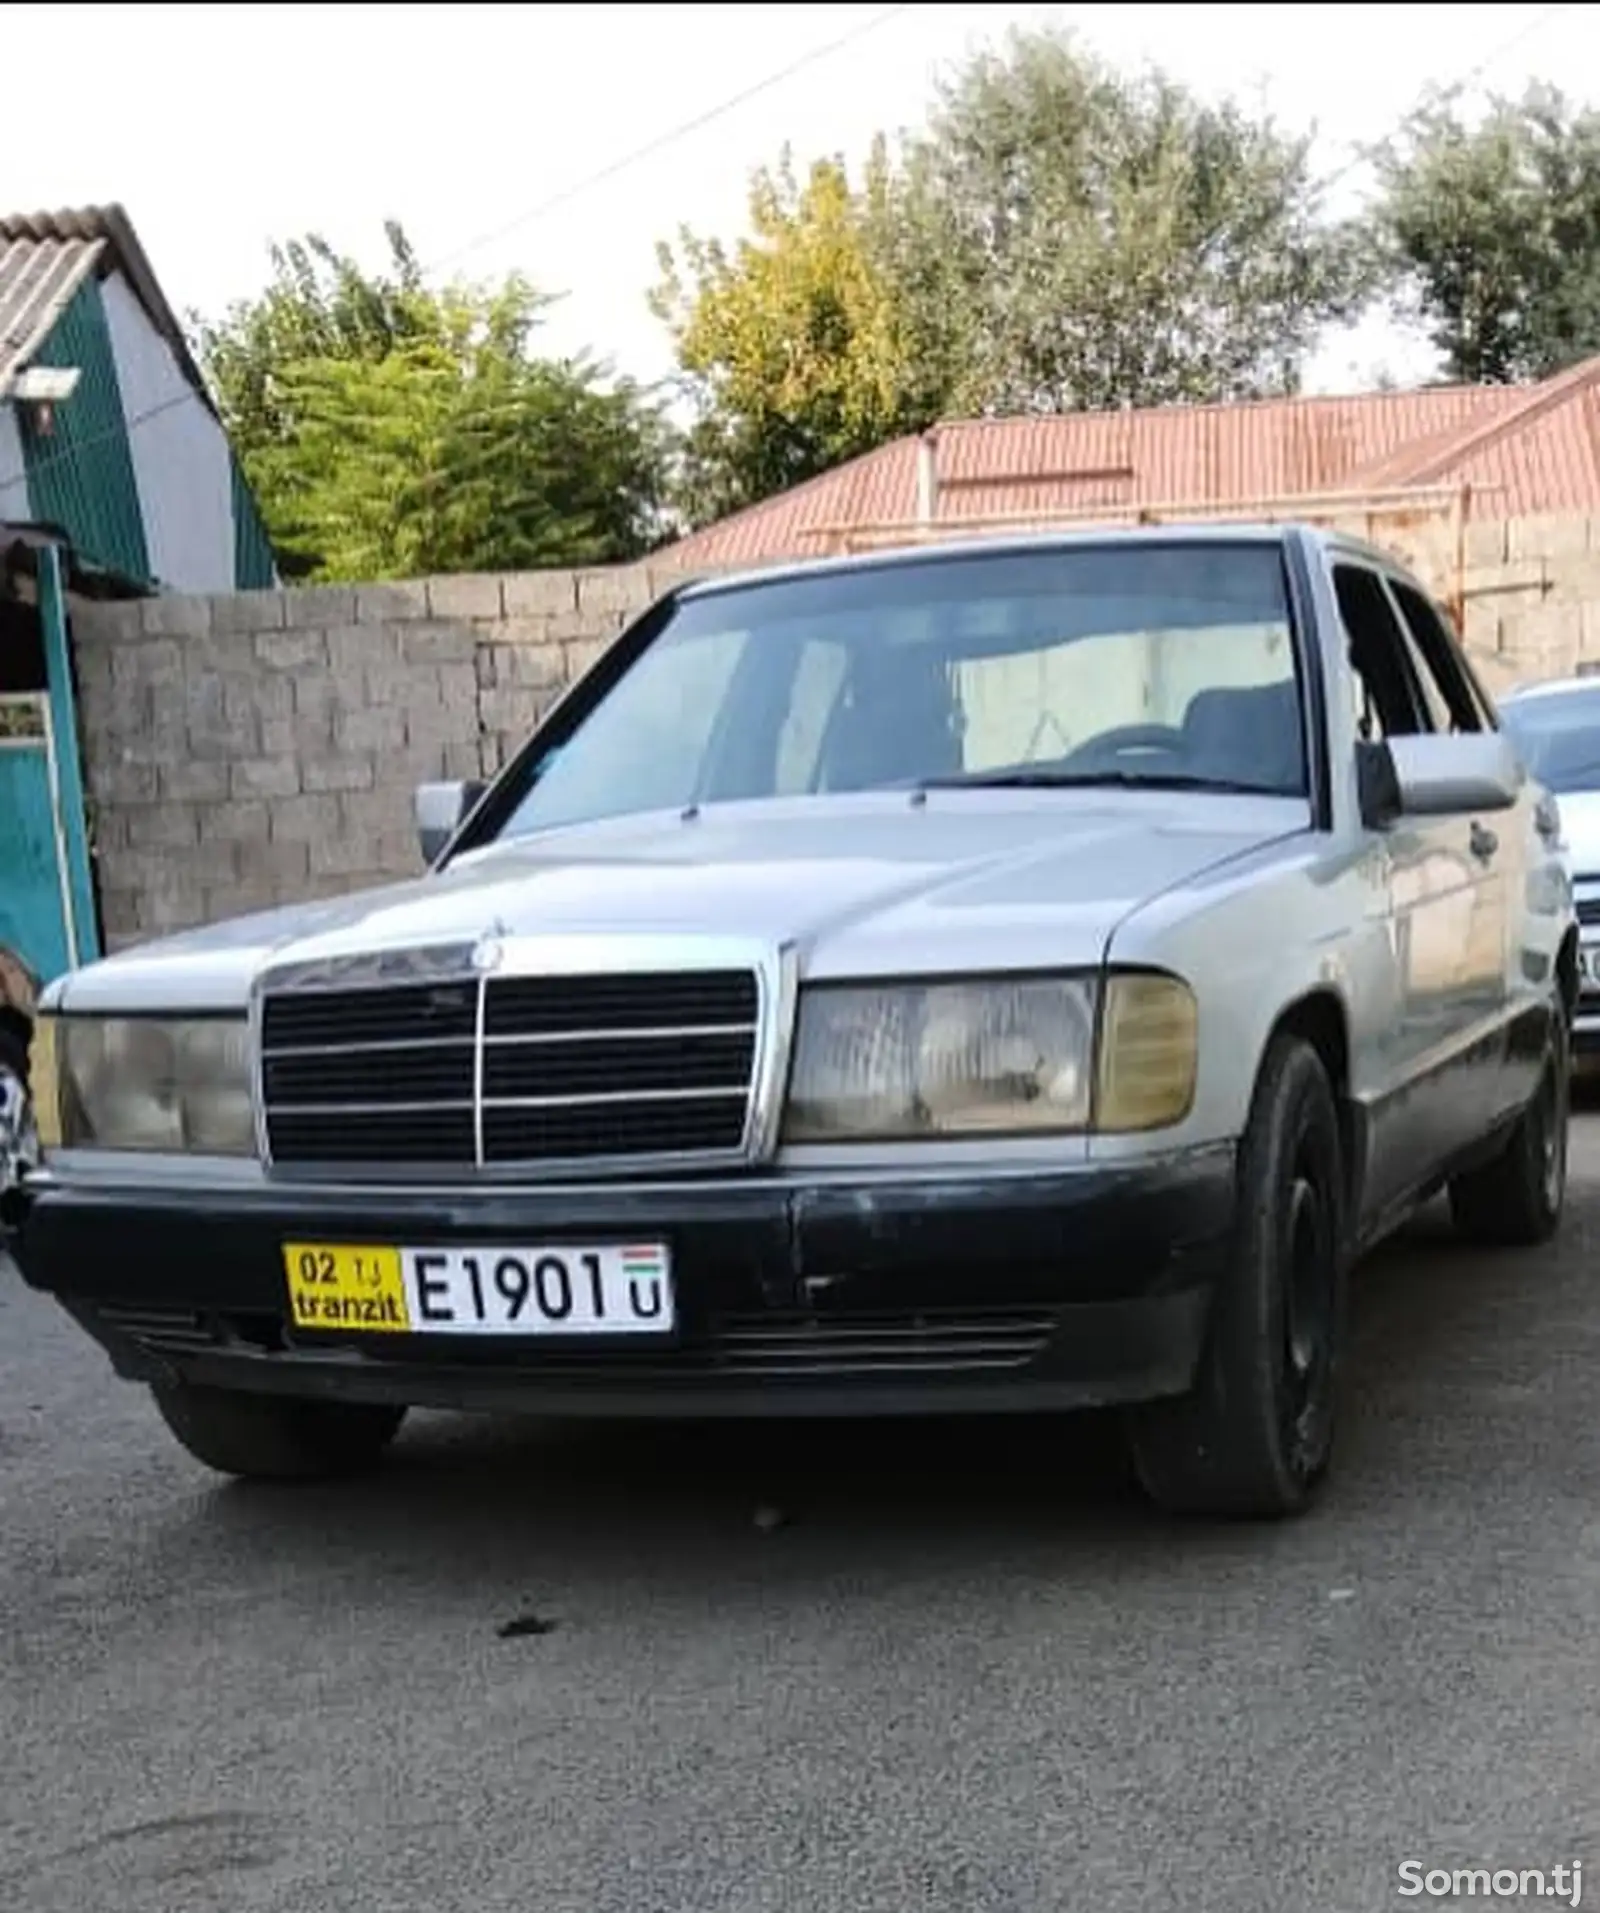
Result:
[[1388, 703], [1438, 664], [1440, 716]]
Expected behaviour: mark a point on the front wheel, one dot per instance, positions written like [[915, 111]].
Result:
[[1254, 1437], [275, 1437]]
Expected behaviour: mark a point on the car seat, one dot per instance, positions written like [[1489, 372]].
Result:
[[897, 721], [1249, 735]]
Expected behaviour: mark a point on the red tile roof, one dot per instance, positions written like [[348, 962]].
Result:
[[1523, 450]]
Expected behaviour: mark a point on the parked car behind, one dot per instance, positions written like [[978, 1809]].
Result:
[[1011, 975], [1556, 727]]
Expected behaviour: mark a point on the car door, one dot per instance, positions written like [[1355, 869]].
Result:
[[1519, 842], [1438, 1049]]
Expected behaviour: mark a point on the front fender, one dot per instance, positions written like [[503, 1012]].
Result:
[[1251, 940]]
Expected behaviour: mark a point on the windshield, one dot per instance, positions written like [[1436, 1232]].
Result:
[[1171, 666], [1558, 737]]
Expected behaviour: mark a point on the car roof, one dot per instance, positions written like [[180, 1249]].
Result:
[[1588, 687], [992, 544]]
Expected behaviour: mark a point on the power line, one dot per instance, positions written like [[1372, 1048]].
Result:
[[671, 138], [188, 396], [567, 194], [1457, 87]]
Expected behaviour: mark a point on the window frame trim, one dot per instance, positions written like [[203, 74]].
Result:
[[1452, 663], [1379, 574], [508, 786]]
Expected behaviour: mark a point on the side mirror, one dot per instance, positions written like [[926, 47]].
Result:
[[1437, 776], [441, 809]]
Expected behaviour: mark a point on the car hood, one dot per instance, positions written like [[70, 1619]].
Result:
[[859, 885]]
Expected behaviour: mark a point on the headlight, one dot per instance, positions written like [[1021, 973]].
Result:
[[990, 1056], [141, 1082], [942, 1059]]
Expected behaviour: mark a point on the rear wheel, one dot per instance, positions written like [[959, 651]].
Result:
[[1515, 1200], [275, 1437], [1255, 1436]]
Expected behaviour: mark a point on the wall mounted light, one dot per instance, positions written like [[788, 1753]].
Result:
[[42, 388]]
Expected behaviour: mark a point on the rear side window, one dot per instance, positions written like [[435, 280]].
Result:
[[1438, 664], [1388, 701]]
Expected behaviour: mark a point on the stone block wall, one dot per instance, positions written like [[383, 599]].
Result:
[[1527, 591], [258, 749], [1532, 598]]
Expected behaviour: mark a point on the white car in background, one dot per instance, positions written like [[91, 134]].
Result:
[[1556, 728]]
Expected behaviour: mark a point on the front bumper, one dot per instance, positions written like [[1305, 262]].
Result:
[[1033, 1290]]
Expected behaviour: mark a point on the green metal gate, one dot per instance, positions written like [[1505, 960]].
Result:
[[38, 916], [48, 919]]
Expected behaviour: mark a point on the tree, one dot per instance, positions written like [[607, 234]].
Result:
[[794, 345], [1078, 238], [1059, 236], [1498, 226], [390, 430]]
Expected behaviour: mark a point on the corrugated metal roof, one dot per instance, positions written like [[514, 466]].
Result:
[[37, 280], [1547, 425], [1548, 465], [1530, 449], [45, 257]]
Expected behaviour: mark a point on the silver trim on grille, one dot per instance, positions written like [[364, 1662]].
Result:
[[480, 1013], [776, 974]]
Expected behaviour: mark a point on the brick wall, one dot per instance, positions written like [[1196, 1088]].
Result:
[[251, 750]]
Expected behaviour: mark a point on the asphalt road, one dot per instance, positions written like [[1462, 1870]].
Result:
[[969, 1671]]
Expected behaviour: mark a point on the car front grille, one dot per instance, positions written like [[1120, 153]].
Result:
[[1588, 910], [501, 1071]]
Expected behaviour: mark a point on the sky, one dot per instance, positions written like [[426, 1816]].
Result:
[[510, 136]]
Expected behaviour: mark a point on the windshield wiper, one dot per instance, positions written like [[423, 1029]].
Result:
[[1024, 779]]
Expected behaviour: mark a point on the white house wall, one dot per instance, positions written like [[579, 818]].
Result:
[[180, 455], [14, 503]]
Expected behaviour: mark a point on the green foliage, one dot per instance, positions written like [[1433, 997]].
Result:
[[391, 430], [1060, 236], [1498, 225], [1094, 239], [795, 346]]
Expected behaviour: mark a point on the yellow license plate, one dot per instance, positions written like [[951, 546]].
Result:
[[552, 1290], [345, 1286]]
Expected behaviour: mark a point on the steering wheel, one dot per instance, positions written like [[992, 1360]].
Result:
[[1129, 741]]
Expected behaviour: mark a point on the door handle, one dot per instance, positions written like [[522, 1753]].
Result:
[[1484, 842]]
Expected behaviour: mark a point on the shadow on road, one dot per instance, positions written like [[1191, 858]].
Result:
[[480, 1491]]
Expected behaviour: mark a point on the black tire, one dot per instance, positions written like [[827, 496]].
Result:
[[1254, 1438], [14, 1064], [1514, 1201], [275, 1437]]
